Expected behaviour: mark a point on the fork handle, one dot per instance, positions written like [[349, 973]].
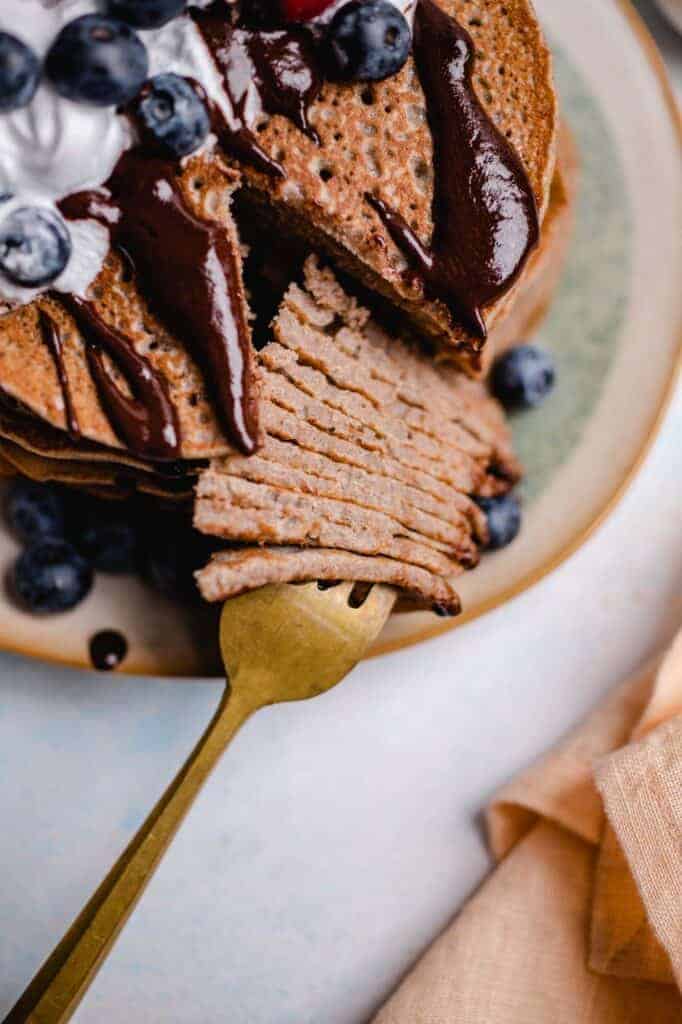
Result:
[[56, 990]]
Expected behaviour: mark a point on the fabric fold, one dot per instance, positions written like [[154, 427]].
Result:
[[580, 921]]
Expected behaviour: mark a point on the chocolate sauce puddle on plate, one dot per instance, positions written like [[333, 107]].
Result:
[[484, 211], [107, 650], [189, 270], [272, 71], [51, 335]]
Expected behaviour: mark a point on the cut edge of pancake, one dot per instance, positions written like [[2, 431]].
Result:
[[372, 458]]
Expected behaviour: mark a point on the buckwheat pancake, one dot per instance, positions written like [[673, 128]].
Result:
[[107, 478], [207, 186], [371, 463], [21, 427], [35, 418], [43, 450], [374, 139]]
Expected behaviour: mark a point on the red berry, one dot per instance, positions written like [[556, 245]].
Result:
[[303, 10]]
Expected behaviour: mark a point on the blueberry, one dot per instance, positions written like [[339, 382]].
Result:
[[368, 41], [34, 511], [50, 576], [504, 519], [35, 246], [146, 13], [523, 377], [173, 552], [172, 115], [109, 543], [97, 60], [19, 73]]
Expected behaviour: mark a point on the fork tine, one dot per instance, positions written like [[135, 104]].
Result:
[[359, 594], [338, 595], [379, 601], [343, 593]]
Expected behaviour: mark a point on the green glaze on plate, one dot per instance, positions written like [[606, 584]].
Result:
[[584, 326]]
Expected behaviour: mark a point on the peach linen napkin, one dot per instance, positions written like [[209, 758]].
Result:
[[581, 922]]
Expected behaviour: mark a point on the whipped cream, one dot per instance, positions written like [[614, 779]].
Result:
[[55, 147]]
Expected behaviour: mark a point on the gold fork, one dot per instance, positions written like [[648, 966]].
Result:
[[280, 643]]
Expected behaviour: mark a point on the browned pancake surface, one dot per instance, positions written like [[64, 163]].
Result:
[[27, 370], [375, 138]]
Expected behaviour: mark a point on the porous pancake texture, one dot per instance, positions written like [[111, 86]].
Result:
[[374, 138], [207, 186], [372, 460]]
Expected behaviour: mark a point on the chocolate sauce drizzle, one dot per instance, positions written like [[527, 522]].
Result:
[[188, 266], [190, 272], [484, 212], [147, 422], [53, 342], [273, 71]]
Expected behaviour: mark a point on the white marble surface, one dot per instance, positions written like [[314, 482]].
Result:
[[337, 837]]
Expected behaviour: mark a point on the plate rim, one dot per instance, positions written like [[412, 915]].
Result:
[[655, 59]]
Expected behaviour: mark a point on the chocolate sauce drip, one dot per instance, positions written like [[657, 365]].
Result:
[[107, 650], [190, 271], [147, 421], [53, 341], [275, 71], [240, 142], [94, 205], [242, 145], [286, 73], [484, 211]]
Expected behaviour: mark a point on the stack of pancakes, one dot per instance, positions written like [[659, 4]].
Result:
[[370, 464], [34, 418], [374, 444], [375, 139]]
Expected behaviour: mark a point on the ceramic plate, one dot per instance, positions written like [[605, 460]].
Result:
[[614, 331]]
